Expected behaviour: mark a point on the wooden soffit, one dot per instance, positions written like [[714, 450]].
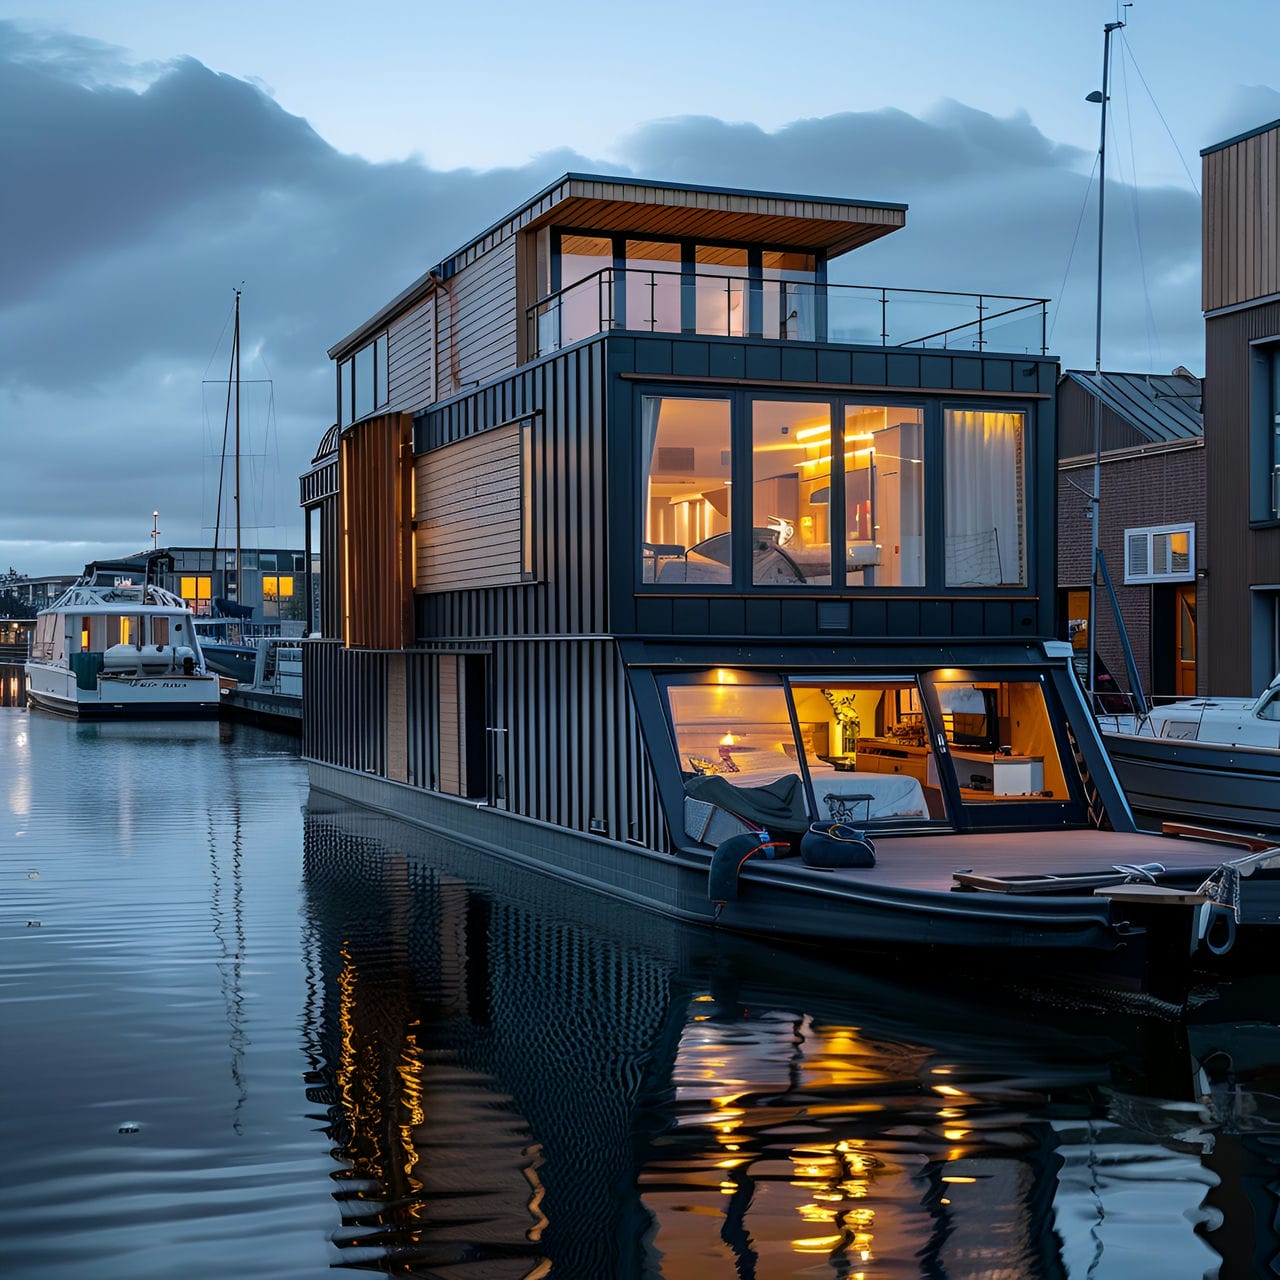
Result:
[[710, 214]]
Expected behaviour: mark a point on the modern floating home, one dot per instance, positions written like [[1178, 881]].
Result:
[[638, 534]]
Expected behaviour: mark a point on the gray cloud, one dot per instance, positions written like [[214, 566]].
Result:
[[148, 193]]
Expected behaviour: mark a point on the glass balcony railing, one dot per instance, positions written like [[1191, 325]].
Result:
[[736, 306]]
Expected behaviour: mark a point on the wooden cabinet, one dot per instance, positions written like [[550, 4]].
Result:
[[879, 755]]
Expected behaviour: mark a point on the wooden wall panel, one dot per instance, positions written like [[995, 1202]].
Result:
[[397, 726], [468, 504], [1240, 232], [411, 358], [377, 572], [449, 724]]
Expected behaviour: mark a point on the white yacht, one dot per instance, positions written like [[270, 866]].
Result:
[[111, 647]]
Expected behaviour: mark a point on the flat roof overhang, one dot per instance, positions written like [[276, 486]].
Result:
[[589, 202]]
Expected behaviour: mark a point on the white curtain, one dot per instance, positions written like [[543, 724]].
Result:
[[985, 499]]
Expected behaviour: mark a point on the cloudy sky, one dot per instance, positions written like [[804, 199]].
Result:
[[157, 156]]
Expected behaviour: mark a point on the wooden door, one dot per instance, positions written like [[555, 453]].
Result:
[[1186, 624]]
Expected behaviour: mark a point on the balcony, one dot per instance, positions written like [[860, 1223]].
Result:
[[738, 306]]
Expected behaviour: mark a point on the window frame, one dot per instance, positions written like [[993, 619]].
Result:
[[1150, 533], [843, 583], [1264, 431]]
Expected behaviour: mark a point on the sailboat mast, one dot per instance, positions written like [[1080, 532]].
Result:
[[1095, 503], [236, 348]]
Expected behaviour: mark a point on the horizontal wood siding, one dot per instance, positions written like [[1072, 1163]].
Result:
[[345, 693], [377, 572], [478, 319], [411, 358], [564, 397], [1241, 221], [468, 503], [571, 753]]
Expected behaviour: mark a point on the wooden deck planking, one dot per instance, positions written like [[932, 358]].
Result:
[[927, 863]]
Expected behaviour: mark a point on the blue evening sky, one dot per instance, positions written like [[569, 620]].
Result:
[[325, 155]]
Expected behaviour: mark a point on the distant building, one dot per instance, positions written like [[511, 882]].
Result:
[[1241, 299], [1152, 531]]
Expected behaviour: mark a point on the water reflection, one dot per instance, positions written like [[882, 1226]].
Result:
[[244, 1042], [518, 1079]]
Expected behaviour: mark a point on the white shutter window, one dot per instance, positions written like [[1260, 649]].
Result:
[[1161, 553]]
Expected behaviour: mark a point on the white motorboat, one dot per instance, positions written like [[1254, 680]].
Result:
[[1213, 760], [113, 648]]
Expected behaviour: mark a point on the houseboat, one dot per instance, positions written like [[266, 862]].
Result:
[[646, 546], [116, 647]]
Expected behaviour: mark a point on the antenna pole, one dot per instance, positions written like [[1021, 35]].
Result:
[[235, 340], [1095, 502]]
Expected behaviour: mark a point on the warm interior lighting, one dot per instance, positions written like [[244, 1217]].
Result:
[[954, 1177], [809, 433]]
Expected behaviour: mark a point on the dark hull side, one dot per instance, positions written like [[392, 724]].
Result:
[[1171, 779], [131, 711], [783, 901]]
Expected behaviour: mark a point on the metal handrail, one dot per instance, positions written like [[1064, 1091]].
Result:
[[754, 292]]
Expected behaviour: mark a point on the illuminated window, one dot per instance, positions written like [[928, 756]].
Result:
[[277, 588], [687, 478], [986, 516], [197, 592]]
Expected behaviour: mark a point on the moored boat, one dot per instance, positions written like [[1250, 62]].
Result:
[[113, 648], [1210, 760]]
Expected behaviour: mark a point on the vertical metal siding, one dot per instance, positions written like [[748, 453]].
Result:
[[1237, 555]]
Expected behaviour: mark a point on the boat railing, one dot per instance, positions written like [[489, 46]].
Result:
[[277, 668], [787, 310], [1118, 712]]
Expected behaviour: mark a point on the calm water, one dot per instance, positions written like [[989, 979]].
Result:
[[247, 1038]]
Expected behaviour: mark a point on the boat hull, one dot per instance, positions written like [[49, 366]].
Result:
[[788, 902], [54, 688], [1212, 783]]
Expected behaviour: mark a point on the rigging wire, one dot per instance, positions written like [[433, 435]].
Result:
[[1156, 106], [1149, 316], [1075, 240]]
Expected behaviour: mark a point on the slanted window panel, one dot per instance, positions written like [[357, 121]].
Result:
[[1001, 741], [686, 482], [364, 381], [721, 302], [791, 469], [652, 285], [585, 303], [884, 496], [742, 731], [381, 391], [789, 295], [986, 518], [344, 393]]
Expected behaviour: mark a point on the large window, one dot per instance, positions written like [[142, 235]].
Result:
[[986, 533], [790, 493], [858, 505], [720, 289], [687, 488], [652, 286], [586, 301], [590, 283], [884, 495]]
